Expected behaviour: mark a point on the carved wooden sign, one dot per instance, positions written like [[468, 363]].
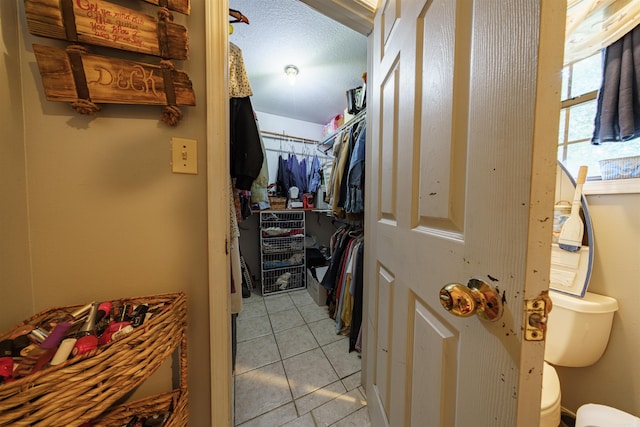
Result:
[[102, 23], [181, 6], [84, 79]]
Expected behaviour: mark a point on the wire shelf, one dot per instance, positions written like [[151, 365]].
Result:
[[279, 245], [282, 251], [283, 280]]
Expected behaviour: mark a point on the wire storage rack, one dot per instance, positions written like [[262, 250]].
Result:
[[282, 251]]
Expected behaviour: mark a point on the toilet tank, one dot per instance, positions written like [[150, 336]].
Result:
[[578, 328]]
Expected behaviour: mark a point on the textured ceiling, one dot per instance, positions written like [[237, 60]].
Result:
[[331, 58]]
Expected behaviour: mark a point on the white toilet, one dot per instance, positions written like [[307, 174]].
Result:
[[577, 335], [594, 415]]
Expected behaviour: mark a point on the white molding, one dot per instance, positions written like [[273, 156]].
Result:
[[355, 14], [217, 101], [613, 186]]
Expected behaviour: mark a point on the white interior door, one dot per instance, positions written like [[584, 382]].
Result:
[[463, 116]]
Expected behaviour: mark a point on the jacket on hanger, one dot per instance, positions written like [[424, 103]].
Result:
[[246, 149], [354, 203]]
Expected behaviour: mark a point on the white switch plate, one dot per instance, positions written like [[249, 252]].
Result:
[[184, 155]]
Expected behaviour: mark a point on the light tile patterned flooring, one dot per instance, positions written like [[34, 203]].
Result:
[[292, 369]]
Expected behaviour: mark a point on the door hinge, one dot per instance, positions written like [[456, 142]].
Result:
[[536, 316]]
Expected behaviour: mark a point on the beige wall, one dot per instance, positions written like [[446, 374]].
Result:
[[615, 379], [106, 216]]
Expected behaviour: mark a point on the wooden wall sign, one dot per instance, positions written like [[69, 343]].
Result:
[[102, 23], [84, 79], [181, 6]]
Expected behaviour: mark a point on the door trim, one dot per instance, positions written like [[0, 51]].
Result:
[[547, 111], [217, 111]]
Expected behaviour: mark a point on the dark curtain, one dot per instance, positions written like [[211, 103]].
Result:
[[618, 110]]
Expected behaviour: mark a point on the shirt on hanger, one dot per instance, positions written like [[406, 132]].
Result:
[[239, 86]]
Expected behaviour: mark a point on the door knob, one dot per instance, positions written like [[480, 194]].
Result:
[[475, 298]]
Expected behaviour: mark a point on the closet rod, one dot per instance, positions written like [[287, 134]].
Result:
[[274, 135], [275, 150], [358, 118]]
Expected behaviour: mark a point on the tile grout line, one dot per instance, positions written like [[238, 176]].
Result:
[[282, 359], [293, 399], [306, 323]]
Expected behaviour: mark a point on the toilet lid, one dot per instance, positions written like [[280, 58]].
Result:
[[550, 386], [593, 414]]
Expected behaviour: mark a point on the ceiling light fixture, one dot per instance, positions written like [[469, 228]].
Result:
[[291, 71]]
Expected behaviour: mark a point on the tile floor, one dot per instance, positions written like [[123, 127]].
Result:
[[292, 369]]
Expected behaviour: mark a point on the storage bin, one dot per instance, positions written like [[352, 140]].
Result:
[[282, 252], [316, 290], [621, 168]]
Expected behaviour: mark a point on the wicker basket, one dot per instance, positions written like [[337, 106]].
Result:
[[277, 202], [174, 403], [82, 388]]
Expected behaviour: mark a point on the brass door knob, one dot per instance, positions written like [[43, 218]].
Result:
[[475, 298]]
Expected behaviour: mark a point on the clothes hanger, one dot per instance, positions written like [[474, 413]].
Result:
[[239, 17]]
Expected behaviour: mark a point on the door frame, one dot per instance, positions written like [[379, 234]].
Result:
[[217, 111], [355, 15], [216, 64]]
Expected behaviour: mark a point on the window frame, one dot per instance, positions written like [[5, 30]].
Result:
[[595, 184]]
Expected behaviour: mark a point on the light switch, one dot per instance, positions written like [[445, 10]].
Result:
[[184, 156]]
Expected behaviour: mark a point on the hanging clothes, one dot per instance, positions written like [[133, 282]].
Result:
[[239, 85], [354, 203], [246, 152], [342, 161], [354, 133], [261, 183], [236, 270], [338, 143], [337, 250], [341, 284], [245, 148], [344, 296], [282, 179], [295, 173], [304, 178], [344, 278], [314, 175], [341, 194], [344, 281], [358, 289]]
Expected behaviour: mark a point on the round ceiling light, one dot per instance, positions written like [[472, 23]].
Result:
[[291, 71]]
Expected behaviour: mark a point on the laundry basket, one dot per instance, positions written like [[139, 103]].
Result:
[[83, 387]]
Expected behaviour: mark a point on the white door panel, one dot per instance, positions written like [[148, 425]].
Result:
[[434, 351], [462, 126]]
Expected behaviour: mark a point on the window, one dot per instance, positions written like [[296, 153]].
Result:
[[580, 84]]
